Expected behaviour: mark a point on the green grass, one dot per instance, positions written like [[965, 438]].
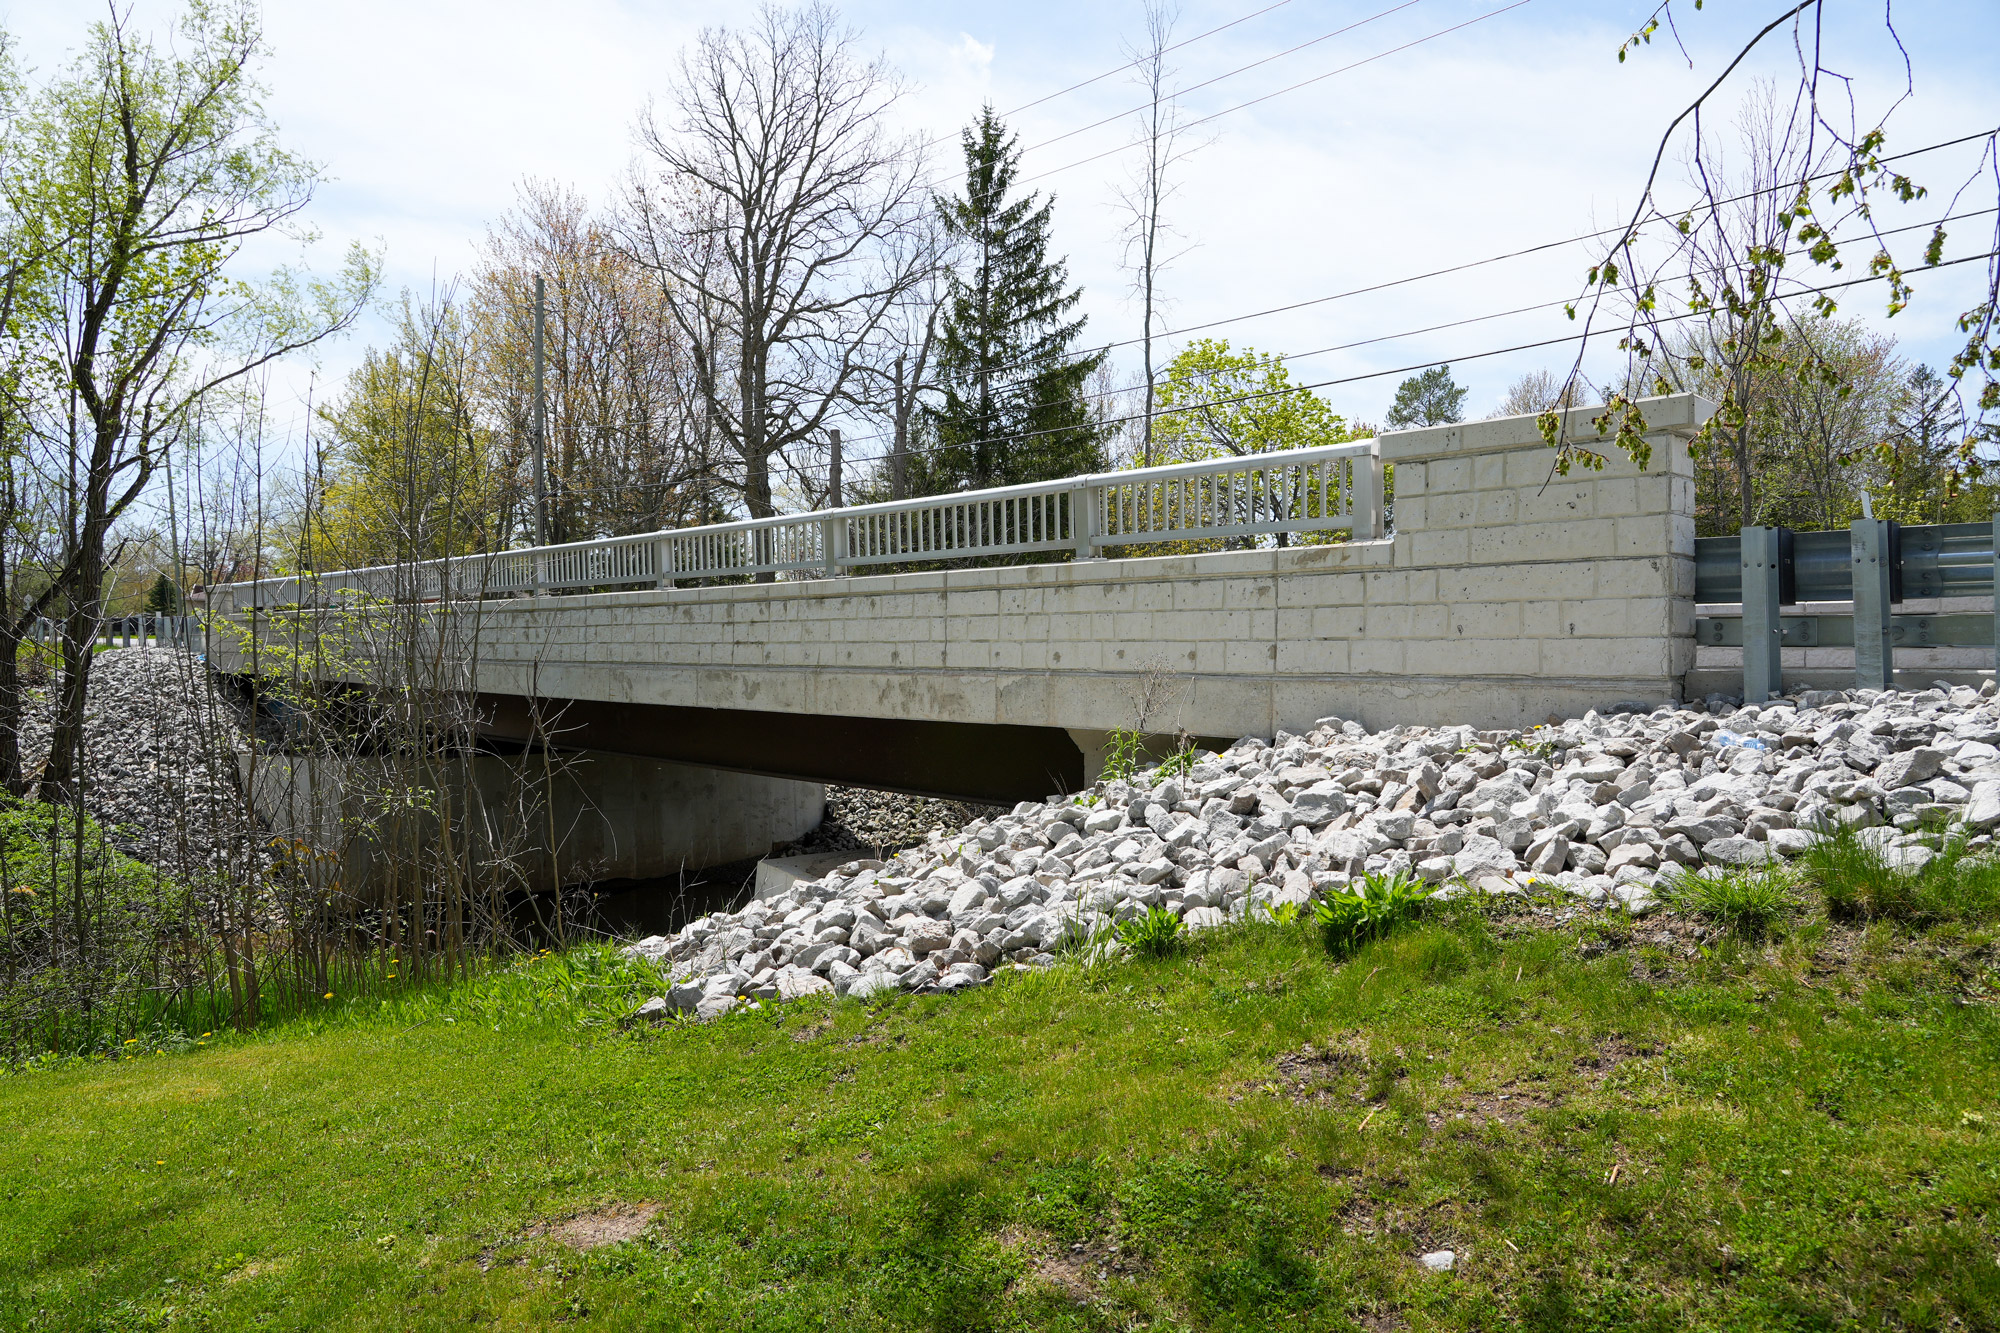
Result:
[[1858, 884], [1250, 1135], [1747, 902]]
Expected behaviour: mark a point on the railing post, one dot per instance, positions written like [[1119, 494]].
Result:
[[1763, 655], [1083, 517], [1874, 653], [663, 554], [1996, 595], [1366, 499], [833, 545]]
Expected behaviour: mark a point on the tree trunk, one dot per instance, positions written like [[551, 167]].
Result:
[[80, 626], [10, 704]]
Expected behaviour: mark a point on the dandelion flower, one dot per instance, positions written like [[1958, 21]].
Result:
[[329, 995], [131, 1041]]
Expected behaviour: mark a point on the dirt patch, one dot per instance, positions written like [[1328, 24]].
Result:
[[1078, 1270], [613, 1224], [1381, 1321], [1322, 1074], [1378, 1206], [1514, 1100]]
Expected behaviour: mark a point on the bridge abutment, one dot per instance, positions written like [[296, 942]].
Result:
[[531, 821]]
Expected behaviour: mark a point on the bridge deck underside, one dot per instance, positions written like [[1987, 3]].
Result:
[[954, 760]]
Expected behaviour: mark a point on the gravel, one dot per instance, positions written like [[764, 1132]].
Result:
[[1595, 809], [159, 750], [860, 819]]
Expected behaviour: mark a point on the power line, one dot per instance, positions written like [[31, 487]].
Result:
[[1096, 78], [1418, 366], [1451, 269], [1207, 83], [1553, 305], [1318, 78], [1304, 83], [812, 468]]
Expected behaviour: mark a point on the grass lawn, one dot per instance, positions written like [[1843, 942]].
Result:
[[1609, 1130]]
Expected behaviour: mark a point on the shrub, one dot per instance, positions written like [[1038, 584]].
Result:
[[1744, 903], [1350, 918], [90, 939], [1158, 934]]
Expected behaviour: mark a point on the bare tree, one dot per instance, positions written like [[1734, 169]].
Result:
[[1144, 199], [771, 226], [623, 391], [1832, 166], [1734, 266], [1539, 391], [904, 368]]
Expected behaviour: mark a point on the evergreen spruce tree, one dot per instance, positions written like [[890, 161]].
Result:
[[163, 598], [1013, 407]]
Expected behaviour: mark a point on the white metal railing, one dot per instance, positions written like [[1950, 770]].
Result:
[[1334, 488], [135, 631]]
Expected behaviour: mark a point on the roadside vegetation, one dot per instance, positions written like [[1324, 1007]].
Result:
[[1722, 1117]]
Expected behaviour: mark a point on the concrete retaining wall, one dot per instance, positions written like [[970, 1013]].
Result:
[[613, 816]]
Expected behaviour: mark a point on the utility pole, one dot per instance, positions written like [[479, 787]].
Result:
[[899, 461], [833, 500], [541, 422]]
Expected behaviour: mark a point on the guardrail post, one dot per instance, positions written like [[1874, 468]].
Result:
[[1763, 656], [1366, 500], [1996, 596], [1083, 517], [1874, 653]]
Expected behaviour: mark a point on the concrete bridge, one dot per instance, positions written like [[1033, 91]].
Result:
[[1501, 594]]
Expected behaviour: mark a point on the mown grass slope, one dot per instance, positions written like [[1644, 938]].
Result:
[[1616, 1125]]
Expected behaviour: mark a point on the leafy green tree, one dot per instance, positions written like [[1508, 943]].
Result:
[[1927, 453], [1013, 407], [1217, 402], [409, 476], [1430, 399]]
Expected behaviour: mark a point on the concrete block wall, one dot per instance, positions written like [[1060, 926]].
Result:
[[1504, 595]]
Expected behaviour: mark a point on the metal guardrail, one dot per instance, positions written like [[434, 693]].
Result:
[[1333, 488], [1936, 560], [1874, 564]]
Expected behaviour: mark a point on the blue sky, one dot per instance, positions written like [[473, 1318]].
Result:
[[1518, 129]]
